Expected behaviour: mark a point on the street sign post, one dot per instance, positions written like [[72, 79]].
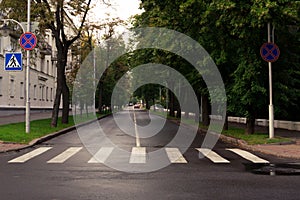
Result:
[[13, 61], [28, 41], [269, 52]]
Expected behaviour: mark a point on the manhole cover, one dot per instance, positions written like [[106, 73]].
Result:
[[274, 169]]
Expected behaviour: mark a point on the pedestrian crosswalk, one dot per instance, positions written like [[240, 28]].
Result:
[[138, 155]]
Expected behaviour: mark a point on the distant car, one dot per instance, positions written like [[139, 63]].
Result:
[[137, 106], [157, 107], [130, 104]]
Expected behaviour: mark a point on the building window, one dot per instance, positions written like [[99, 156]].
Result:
[[53, 69], [40, 93], [34, 92], [51, 92], [22, 90], [12, 88], [43, 65], [0, 86], [47, 94], [1, 51], [47, 66], [43, 92], [13, 43]]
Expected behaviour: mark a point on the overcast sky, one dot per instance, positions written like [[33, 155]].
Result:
[[120, 8]]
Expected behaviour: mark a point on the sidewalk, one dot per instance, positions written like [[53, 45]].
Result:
[[285, 150], [16, 118], [290, 150]]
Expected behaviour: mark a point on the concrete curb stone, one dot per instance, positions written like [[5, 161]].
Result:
[[49, 136], [255, 148]]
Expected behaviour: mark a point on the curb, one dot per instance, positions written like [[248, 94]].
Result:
[[53, 135], [243, 144]]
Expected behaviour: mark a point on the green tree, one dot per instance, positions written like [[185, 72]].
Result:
[[53, 15], [232, 32]]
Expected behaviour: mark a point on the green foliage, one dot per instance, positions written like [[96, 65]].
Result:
[[232, 31]]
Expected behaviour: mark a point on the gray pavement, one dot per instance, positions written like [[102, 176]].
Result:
[[16, 118]]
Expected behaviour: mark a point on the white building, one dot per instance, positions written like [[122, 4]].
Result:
[[42, 75]]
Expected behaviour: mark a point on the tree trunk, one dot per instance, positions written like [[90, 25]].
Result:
[[178, 114], [86, 110], [250, 126], [197, 114], [100, 109], [56, 104], [177, 108], [147, 104], [171, 104], [66, 103], [226, 122], [62, 88], [205, 110]]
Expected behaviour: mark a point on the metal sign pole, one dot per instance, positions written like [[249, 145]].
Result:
[[28, 75], [271, 108]]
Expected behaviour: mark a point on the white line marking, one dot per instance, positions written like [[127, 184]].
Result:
[[30, 155], [249, 156], [102, 155], [137, 137], [213, 156], [138, 155], [175, 155], [65, 155]]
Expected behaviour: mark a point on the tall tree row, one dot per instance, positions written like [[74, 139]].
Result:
[[232, 31]]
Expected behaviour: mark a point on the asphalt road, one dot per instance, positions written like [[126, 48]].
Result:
[[65, 168]]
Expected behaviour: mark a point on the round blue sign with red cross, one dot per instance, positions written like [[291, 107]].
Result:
[[269, 52], [28, 41]]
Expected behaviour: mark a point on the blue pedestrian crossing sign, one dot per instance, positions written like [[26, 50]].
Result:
[[13, 61]]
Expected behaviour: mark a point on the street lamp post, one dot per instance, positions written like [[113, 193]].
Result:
[[5, 32], [271, 108], [28, 75]]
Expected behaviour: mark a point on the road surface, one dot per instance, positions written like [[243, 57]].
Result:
[[63, 168]]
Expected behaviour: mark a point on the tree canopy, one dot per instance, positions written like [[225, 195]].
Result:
[[232, 31]]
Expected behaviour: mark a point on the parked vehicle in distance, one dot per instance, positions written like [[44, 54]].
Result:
[[137, 106]]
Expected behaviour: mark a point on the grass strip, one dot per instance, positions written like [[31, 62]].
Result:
[[238, 133], [15, 132]]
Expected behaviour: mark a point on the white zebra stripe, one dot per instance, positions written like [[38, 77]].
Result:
[[61, 158], [175, 155], [213, 156], [102, 155], [248, 156], [30, 155], [138, 155]]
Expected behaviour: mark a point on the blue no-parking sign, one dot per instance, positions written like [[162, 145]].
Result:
[[269, 52], [13, 61], [28, 41]]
